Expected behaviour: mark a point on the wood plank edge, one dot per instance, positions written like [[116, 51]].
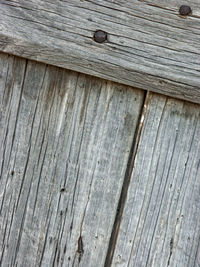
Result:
[[31, 50], [130, 165]]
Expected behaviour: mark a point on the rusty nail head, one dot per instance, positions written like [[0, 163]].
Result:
[[100, 36], [185, 10]]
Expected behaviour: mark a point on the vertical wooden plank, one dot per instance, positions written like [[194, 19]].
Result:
[[65, 143], [160, 224]]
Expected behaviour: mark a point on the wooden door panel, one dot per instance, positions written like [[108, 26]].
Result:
[[65, 144]]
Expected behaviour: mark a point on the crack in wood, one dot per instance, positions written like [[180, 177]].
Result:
[[80, 249], [171, 250]]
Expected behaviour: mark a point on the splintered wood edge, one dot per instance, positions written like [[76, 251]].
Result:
[[149, 46]]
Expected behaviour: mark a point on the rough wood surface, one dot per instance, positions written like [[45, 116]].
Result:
[[65, 141], [160, 224], [149, 45]]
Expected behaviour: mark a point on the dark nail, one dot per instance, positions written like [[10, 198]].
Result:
[[185, 10], [100, 36]]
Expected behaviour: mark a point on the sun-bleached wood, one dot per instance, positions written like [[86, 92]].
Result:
[[65, 141], [160, 224], [149, 45]]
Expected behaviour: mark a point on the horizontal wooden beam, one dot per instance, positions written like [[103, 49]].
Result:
[[149, 45]]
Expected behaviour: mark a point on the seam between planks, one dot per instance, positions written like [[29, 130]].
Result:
[[129, 169]]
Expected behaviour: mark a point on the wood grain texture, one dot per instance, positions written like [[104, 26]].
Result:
[[65, 141], [175, 5], [160, 224], [149, 45]]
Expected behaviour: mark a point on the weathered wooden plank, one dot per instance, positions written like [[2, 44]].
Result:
[[149, 45], [160, 224], [65, 142], [175, 5]]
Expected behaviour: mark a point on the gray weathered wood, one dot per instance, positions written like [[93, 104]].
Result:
[[175, 5], [65, 140], [160, 224], [149, 45]]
